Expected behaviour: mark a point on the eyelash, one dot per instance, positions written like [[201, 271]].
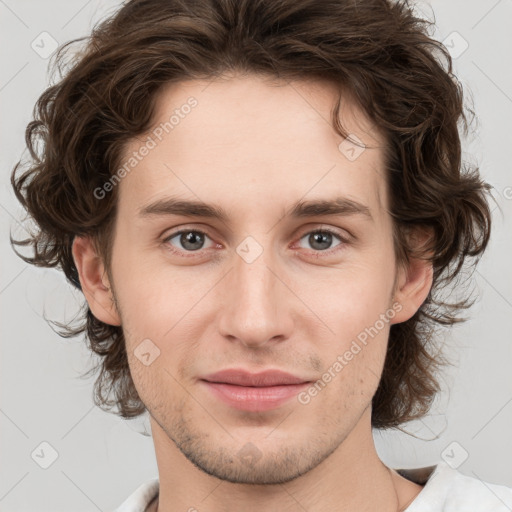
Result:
[[343, 240]]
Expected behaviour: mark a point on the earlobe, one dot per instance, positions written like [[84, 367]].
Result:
[[413, 286], [94, 281]]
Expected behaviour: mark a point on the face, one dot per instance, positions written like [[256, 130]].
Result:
[[271, 285]]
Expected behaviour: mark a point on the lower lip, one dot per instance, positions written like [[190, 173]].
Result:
[[255, 399]]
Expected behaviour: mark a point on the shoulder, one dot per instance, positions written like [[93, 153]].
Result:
[[139, 499], [448, 490]]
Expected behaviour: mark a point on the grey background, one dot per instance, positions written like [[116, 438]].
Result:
[[101, 458]]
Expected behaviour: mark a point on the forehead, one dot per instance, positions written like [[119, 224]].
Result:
[[242, 139]]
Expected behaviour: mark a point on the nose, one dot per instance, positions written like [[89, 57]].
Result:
[[257, 303]]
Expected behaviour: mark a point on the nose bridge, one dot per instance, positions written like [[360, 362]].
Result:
[[254, 309]]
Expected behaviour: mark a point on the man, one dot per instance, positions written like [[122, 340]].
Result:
[[261, 201]]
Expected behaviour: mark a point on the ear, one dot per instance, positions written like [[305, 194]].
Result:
[[414, 280], [94, 281]]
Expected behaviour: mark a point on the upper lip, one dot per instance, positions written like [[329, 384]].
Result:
[[239, 377]]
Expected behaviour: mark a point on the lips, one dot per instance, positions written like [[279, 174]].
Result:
[[263, 379], [255, 392]]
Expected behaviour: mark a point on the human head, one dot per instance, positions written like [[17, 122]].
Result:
[[378, 55]]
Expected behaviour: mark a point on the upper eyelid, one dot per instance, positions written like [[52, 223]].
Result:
[[306, 230]]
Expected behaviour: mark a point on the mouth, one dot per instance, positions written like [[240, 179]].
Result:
[[254, 392]]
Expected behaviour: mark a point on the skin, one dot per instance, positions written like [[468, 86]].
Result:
[[254, 147]]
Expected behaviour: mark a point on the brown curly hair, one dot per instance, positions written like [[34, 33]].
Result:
[[378, 51]]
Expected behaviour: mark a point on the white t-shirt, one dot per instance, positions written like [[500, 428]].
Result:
[[445, 490]]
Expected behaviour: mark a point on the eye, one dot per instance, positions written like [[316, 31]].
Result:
[[193, 240], [190, 240], [322, 239]]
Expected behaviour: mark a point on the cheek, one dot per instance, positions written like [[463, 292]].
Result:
[[151, 298], [347, 385], [358, 311], [353, 363], [352, 299]]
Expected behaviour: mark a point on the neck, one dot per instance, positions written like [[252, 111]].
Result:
[[352, 478]]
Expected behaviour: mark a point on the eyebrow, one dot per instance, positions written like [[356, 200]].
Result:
[[314, 208]]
